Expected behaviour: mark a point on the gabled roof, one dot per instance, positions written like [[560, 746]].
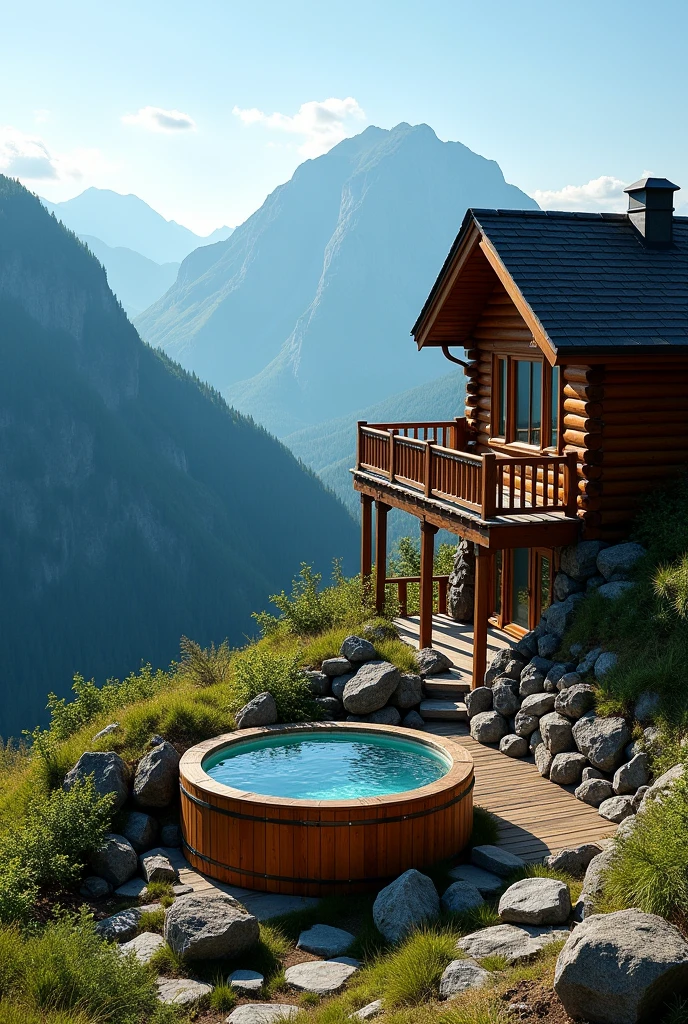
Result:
[[583, 281]]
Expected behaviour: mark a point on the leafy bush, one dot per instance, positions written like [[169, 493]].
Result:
[[310, 609], [258, 670], [67, 717], [205, 667]]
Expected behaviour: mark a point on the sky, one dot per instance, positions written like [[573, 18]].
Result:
[[203, 109]]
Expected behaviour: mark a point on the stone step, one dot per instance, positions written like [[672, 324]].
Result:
[[432, 710], [450, 689]]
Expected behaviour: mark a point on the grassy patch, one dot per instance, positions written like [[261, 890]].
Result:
[[223, 998], [485, 829], [152, 921]]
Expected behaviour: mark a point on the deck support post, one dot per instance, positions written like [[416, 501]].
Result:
[[483, 576], [381, 510], [427, 559], [366, 540]]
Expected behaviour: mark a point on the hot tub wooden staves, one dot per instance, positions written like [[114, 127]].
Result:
[[320, 847]]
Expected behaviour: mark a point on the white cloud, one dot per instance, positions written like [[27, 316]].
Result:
[[26, 156], [321, 124], [603, 193], [155, 119]]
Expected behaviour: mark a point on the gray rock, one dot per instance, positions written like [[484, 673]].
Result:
[[182, 991], [559, 669], [407, 902], [488, 727], [262, 1013], [368, 1011], [548, 645], [246, 982], [357, 650], [638, 797], [514, 745], [525, 724], [535, 740], [460, 975], [513, 669], [155, 866], [557, 733], [115, 860], [409, 691], [574, 701], [331, 709], [619, 558], [536, 901], [504, 700], [560, 615], [602, 740], [461, 896], [533, 676], [132, 889], [371, 687], [511, 684], [568, 680], [527, 645], [566, 769], [605, 663], [170, 836], [156, 783], [155, 739], [594, 791], [512, 942], [182, 890], [336, 667], [324, 940], [110, 776], [616, 808], [647, 706], [143, 946], [496, 860], [383, 716], [538, 704], [207, 927], [141, 830], [587, 663], [413, 721], [615, 590], [478, 700], [431, 662], [620, 968], [119, 927], [543, 760], [499, 662], [95, 888], [593, 773], [320, 976], [632, 775], [579, 561], [626, 826], [594, 583], [573, 860], [485, 882], [565, 585], [460, 596], [318, 683], [107, 731], [260, 711], [339, 684]]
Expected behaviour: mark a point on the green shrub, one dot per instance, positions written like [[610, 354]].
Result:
[[67, 717], [405, 561], [310, 609], [258, 669], [223, 998], [412, 972], [18, 892], [152, 921], [204, 667]]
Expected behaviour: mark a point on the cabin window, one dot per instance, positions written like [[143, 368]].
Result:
[[519, 586], [528, 401], [501, 397], [554, 409]]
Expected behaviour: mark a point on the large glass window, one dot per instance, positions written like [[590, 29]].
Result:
[[519, 586], [528, 401], [501, 397], [554, 411]]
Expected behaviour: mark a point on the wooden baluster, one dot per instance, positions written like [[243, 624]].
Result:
[[392, 455], [442, 583], [489, 485], [359, 442], [427, 478], [403, 599]]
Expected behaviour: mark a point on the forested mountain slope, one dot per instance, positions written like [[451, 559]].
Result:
[[135, 506], [134, 279]]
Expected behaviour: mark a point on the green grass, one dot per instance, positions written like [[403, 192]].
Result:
[[223, 998], [485, 829], [152, 921], [158, 890]]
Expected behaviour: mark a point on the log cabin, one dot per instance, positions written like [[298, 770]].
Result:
[[575, 327]]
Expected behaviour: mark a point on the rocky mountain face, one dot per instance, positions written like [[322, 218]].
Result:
[[135, 505], [305, 312], [134, 279]]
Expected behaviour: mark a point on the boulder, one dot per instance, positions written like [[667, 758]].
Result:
[[413, 721], [336, 667], [368, 1011], [525, 724], [115, 860], [318, 683], [170, 836], [593, 773], [565, 585], [331, 709], [107, 731], [156, 783], [504, 700], [262, 1013], [208, 927], [409, 901], [460, 595], [661, 788], [323, 977], [110, 776], [587, 663], [431, 662], [141, 830], [132, 889], [543, 760], [533, 676], [594, 583], [383, 716], [357, 650], [246, 982], [409, 691], [460, 975], [324, 940], [527, 645], [573, 860], [535, 740], [95, 888], [556, 732], [538, 704], [338, 684], [647, 706], [143, 946], [514, 745], [485, 882], [512, 942], [559, 669], [488, 727], [569, 679], [496, 860], [632, 775], [619, 559], [616, 808], [499, 662], [560, 614], [602, 740], [620, 968], [478, 700], [371, 687], [566, 769], [536, 901], [155, 866], [594, 791], [574, 701], [461, 896], [182, 991], [508, 681], [606, 661], [122, 926], [579, 561], [548, 645], [260, 711], [614, 590]]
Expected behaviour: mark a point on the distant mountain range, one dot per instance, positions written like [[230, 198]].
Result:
[[135, 505], [136, 281], [304, 313]]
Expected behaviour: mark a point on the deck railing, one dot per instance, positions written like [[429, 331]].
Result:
[[402, 582], [490, 484]]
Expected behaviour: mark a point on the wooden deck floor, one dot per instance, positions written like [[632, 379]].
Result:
[[535, 816]]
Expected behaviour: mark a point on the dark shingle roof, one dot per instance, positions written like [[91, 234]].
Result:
[[590, 279]]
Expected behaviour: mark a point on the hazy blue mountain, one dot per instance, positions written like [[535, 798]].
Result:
[[128, 222], [135, 505], [304, 313], [135, 280]]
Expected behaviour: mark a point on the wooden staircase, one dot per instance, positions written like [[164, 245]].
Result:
[[444, 697]]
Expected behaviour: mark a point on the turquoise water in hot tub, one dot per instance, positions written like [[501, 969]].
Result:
[[332, 766]]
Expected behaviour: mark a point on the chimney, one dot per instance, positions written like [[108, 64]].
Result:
[[650, 210]]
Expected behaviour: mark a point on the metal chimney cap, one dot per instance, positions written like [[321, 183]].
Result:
[[658, 183]]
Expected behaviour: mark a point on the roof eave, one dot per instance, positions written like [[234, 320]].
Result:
[[461, 247]]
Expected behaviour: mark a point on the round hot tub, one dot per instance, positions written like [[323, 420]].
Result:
[[326, 807]]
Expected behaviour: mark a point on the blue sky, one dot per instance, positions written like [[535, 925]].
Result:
[[176, 101]]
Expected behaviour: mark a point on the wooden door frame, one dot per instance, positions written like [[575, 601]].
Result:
[[503, 620]]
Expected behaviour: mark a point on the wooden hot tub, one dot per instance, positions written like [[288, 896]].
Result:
[[318, 847]]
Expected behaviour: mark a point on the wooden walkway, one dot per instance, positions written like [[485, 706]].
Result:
[[535, 816]]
